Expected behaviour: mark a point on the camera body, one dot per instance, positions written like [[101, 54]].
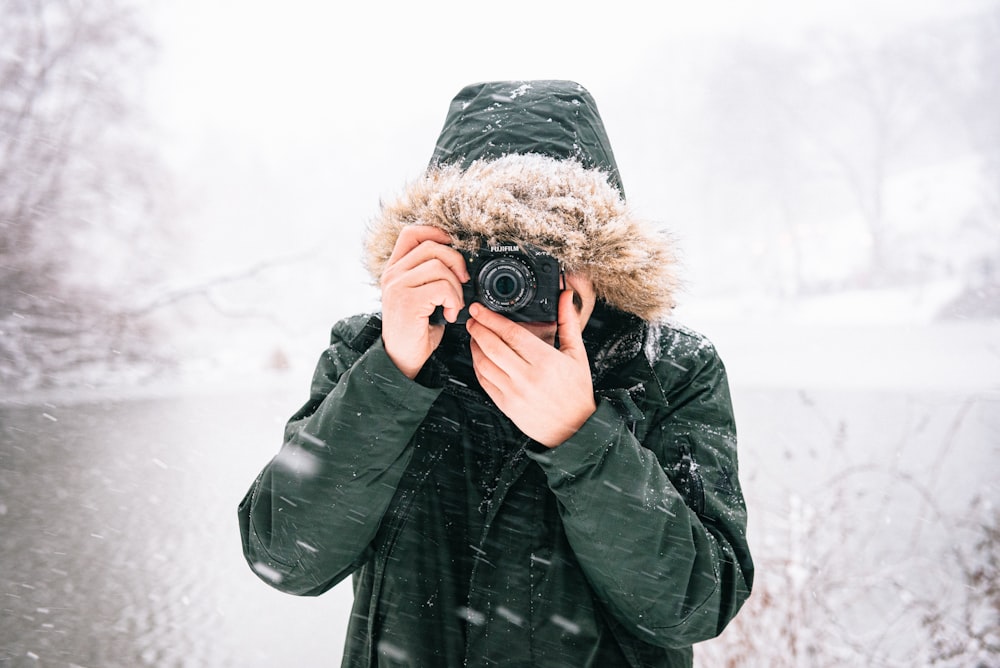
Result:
[[521, 282]]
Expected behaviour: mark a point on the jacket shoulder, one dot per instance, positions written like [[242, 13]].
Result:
[[349, 339], [673, 343], [684, 362], [357, 332]]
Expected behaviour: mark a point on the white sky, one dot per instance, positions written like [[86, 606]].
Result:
[[288, 121], [292, 68]]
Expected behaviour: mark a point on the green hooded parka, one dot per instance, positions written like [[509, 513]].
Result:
[[469, 544]]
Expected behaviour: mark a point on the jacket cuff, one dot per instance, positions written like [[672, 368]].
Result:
[[579, 451], [401, 391]]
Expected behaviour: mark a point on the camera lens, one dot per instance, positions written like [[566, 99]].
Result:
[[506, 284]]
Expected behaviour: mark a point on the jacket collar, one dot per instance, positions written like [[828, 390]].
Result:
[[617, 344]]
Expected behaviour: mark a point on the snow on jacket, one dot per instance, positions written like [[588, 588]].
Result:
[[469, 543]]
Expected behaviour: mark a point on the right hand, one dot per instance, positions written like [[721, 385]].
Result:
[[422, 273]]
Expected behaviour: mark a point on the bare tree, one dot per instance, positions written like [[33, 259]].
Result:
[[754, 93], [977, 113], [817, 133], [885, 108], [877, 559], [73, 174], [968, 633]]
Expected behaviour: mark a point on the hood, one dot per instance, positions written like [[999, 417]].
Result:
[[530, 163], [559, 119]]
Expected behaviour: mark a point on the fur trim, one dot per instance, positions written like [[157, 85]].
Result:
[[566, 210]]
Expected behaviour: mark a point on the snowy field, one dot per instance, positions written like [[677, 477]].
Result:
[[863, 451]]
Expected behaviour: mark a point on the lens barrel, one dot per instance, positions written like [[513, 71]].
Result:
[[506, 284]]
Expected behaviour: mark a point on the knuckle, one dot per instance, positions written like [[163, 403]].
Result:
[[410, 231], [390, 278]]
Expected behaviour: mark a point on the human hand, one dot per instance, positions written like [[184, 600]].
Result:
[[422, 273], [547, 392]]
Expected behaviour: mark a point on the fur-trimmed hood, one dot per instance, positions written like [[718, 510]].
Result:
[[561, 194], [558, 206]]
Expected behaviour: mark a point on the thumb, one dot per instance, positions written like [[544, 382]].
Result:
[[569, 331]]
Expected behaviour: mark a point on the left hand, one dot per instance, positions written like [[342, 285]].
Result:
[[546, 391]]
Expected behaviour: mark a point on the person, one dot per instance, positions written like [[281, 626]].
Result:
[[511, 493]]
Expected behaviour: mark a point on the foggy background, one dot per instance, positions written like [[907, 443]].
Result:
[[831, 166], [184, 188], [196, 177]]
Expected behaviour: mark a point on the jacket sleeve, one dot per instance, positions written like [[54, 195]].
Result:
[[309, 518], [659, 526]]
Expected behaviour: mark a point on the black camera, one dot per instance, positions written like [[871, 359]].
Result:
[[521, 282]]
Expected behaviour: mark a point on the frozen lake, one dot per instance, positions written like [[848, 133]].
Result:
[[119, 543], [120, 546]]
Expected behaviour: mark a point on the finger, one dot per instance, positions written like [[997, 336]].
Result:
[[491, 346], [514, 361], [439, 294], [569, 329], [490, 376], [419, 302], [412, 236], [432, 250], [504, 333], [430, 271]]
